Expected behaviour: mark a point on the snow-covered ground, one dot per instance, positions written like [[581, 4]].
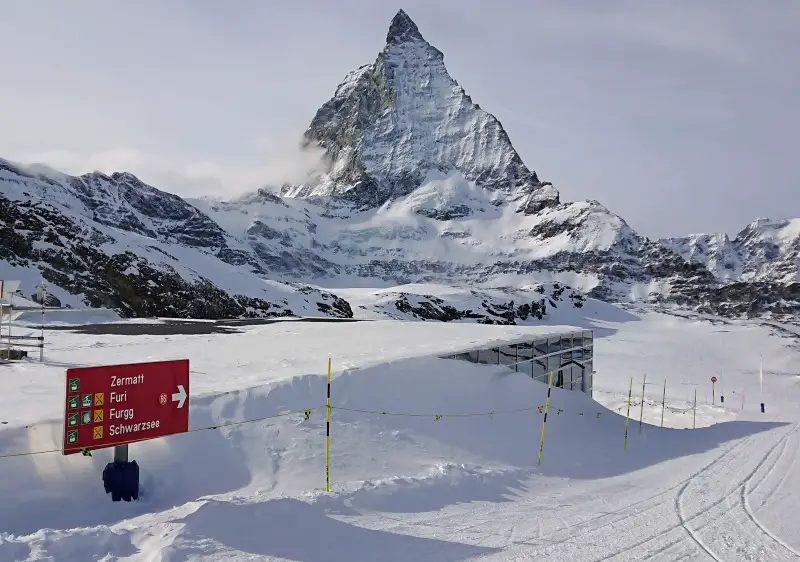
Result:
[[414, 487]]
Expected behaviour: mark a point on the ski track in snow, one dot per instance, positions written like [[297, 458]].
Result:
[[761, 537], [708, 512]]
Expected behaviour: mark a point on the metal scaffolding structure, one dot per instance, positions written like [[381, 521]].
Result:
[[569, 355], [10, 341]]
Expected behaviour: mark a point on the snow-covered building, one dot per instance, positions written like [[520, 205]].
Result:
[[568, 355]]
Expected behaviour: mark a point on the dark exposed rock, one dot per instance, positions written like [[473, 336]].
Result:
[[505, 312], [402, 29], [450, 213], [35, 234]]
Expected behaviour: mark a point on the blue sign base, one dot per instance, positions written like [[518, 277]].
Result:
[[121, 480]]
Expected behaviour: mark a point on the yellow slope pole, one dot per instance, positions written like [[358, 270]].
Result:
[[328, 433], [544, 423]]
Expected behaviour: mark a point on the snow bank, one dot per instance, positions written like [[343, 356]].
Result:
[[378, 461], [230, 362]]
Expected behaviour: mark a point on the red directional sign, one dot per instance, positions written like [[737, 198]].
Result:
[[713, 379], [118, 404]]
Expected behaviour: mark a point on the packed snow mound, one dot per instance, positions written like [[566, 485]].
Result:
[[283, 349]]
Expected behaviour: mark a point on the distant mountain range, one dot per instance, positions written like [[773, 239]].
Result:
[[417, 184]]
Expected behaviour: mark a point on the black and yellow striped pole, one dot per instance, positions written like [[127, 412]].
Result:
[[328, 433], [628, 415], [544, 423]]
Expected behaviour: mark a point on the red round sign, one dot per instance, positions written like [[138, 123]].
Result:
[[713, 379]]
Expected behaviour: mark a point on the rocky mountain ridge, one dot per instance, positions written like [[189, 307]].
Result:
[[765, 250], [420, 185]]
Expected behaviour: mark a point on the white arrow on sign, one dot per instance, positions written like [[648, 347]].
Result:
[[180, 396]]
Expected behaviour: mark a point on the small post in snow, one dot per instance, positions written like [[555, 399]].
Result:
[[641, 406], [628, 414], [694, 409], [663, 402], [760, 378]]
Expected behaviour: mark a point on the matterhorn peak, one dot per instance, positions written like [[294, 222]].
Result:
[[397, 124], [402, 29]]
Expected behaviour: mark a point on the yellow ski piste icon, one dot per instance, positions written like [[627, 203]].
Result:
[[97, 432]]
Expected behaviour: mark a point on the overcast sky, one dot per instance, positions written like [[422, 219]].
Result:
[[680, 116]]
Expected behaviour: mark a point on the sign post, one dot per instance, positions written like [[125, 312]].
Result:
[[112, 406], [713, 393], [41, 294]]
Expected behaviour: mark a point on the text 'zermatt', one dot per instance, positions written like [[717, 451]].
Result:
[[124, 381]]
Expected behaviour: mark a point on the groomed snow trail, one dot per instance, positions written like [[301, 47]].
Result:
[[698, 511], [714, 506]]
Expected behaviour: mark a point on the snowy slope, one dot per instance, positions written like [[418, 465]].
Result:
[[413, 487], [56, 232], [492, 240], [141, 264], [115, 242]]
